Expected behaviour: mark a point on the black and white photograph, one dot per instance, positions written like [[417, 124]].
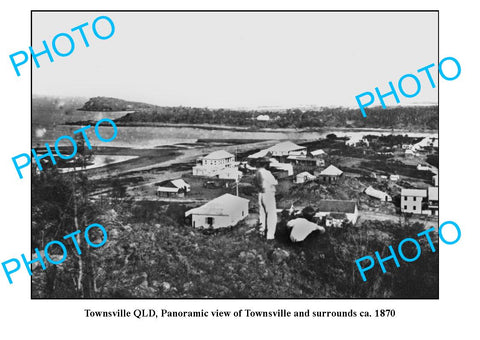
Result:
[[223, 155]]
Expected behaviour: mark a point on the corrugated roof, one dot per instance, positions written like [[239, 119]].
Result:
[[223, 205], [414, 192], [337, 206], [219, 154], [331, 170]]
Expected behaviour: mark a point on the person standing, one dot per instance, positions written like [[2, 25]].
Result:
[[266, 202]]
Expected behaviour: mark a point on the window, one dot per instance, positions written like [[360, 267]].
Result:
[[209, 221], [405, 207], [414, 199], [414, 208], [243, 213]]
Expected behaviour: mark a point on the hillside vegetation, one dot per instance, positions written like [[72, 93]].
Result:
[[408, 117], [151, 252]]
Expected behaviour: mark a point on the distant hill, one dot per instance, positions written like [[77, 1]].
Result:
[[402, 117], [113, 104]]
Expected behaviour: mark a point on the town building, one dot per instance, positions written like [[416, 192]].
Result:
[[283, 149], [280, 170], [330, 175], [433, 200], [305, 161], [382, 196], [173, 187], [219, 164], [224, 211], [337, 211], [412, 200], [304, 177]]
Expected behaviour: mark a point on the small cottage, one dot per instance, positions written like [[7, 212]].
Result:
[[173, 187], [382, 196], [224, 211], [331, 174], [304, 177]]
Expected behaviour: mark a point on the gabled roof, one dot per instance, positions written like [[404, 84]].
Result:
[[376, 193], [259, 154], [337, 206], [414, 192], [280, 147], [180, 183], [223, 205], [285, 147], [174, 183], [305, 174], [219, 154], [331, 170]]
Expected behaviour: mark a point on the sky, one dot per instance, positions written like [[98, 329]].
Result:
[[238, 59]]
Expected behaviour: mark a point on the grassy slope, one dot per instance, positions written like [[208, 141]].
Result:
[[182, 262]]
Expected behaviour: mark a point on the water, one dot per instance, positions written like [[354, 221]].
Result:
[[150, 137]]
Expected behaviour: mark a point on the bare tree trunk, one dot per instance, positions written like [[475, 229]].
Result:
[[79, 241]]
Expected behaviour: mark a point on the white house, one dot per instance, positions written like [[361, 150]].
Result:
[[221, 212], [382, 196], [412, 200], [219, 164], [304, 177], [173, 187], [333, 210], [331, 174], [264, 118]]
